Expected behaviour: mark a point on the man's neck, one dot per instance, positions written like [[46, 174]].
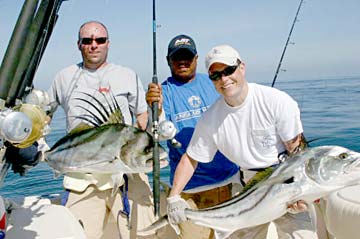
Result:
[[184, 79], [94, 67]]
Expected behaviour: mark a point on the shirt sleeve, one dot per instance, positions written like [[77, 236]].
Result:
[[137, 99], [202, 147], [166, 109], [53, 93]]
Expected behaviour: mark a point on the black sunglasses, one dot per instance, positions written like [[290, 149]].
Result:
[[88, 40], [215, 76]]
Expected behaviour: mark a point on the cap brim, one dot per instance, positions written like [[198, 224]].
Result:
[[191, 50], [226, 61]]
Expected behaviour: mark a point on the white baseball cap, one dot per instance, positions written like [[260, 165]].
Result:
[[222, 54]]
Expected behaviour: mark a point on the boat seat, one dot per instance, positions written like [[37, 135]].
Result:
[[342, 213]]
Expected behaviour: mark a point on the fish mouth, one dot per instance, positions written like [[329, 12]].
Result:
[[355, 165]]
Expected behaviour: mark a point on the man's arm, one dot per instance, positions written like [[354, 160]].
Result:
[[296, 144], [177, 205], [183, 174], [141, 120], [292, 144]]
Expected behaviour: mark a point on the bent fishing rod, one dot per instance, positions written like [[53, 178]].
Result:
[[155, 128], [286, 44]]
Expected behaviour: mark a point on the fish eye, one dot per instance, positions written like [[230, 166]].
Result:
[[343, 155]]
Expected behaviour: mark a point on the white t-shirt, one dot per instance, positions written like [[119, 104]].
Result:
[[72, 82], [252, 134]]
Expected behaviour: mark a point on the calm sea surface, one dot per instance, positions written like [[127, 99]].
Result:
[[330, 113]]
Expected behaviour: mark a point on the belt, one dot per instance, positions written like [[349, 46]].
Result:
[[210, 197]]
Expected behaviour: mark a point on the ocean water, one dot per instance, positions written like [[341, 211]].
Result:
[[330, 111]]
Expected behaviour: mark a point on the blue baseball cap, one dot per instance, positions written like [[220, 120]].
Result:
[[181, 42]]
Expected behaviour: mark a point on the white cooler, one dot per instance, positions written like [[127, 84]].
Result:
[[342, 213], [38, 218]]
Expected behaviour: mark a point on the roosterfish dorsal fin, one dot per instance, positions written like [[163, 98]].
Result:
[[100, 111], [115, 117]]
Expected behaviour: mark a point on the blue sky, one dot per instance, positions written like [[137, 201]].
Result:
[[327, 37]]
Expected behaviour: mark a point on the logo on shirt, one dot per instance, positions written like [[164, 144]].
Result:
[[104, 89], [194, 101], [268, 141]]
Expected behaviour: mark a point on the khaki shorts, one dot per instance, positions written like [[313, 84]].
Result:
[[201, 200], [100, 212]]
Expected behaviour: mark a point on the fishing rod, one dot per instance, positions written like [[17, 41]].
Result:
[[36, 41], [10, 60], [14, 49], [155, 118], [286, 44], [52, 11]]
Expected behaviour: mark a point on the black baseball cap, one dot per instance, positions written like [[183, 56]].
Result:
[[181, 42]]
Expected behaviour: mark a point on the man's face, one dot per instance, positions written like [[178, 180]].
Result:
[[93, 44], [183, 65], [231, 79]]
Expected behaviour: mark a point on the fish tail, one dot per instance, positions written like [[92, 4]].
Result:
[[163, 221]]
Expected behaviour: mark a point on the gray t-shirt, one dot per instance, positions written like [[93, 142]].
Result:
[[72, 82]]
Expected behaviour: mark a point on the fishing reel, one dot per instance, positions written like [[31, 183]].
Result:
[[15, 126], [167, 131], [26, 122]]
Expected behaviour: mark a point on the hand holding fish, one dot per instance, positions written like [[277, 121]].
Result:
[[297, 207], [154, 94], [176, 209]]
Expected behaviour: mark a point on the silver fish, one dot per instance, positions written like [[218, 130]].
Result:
[[110, 147], [309, 175]]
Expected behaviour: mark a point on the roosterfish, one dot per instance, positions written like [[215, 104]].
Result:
[[105, 144], [308, 175]]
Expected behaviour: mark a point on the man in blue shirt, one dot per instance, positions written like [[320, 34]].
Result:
[[182, 98]]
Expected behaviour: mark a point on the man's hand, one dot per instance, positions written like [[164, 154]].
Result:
[[176, 209], [154, 94], [23, 158], [297, 207]]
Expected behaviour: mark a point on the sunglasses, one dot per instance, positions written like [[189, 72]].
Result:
[[88, 40], [215, 76]]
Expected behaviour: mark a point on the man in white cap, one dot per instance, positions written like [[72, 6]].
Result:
[[251, 125]]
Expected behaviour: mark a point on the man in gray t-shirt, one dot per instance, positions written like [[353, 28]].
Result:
[[90, 198]]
